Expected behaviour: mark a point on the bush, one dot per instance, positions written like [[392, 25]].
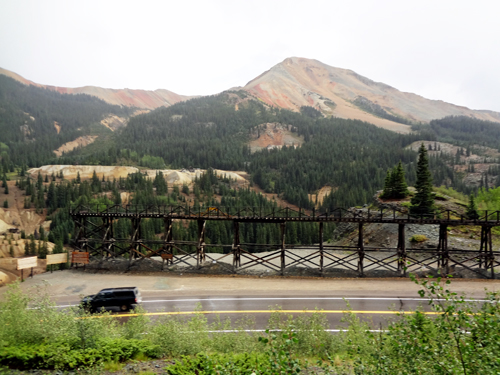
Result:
[[418, 238], [222, 364], [63, 356]]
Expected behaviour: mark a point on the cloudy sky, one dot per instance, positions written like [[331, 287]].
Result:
[[439, 49]]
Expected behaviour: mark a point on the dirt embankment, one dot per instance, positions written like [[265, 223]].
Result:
[[16, 216], [79, 142], [113, 122], [274, 135]]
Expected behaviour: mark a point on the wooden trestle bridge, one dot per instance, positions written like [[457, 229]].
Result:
[[95, 235]]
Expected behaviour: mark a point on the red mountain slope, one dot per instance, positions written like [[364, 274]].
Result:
[[126, 97], [297, 82]]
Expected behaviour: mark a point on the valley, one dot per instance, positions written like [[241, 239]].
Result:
[[303, 135]]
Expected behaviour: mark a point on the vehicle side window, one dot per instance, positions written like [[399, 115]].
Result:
[[123, 294]]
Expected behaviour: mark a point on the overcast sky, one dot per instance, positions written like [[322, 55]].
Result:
[[439, 49]]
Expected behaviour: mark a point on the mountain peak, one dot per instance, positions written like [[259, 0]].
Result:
[[298, 81]]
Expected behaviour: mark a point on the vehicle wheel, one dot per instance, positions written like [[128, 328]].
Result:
[[124, 308]]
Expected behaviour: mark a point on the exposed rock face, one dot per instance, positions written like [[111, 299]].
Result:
[[79, 142], [300, 82], [274, 135], [172, 176], [86, 171], [126, 97]]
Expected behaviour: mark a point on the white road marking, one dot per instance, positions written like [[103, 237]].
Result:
[[294, 299], [304, 298]]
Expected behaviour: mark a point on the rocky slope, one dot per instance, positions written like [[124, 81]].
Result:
[[172, 176], [126, 97], [297, 82]]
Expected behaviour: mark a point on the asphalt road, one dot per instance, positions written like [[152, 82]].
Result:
[[378, 310], [236, 297]]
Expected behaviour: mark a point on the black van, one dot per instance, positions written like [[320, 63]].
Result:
[[124, 298]]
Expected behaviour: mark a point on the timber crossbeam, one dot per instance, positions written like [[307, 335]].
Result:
[[96, 228]]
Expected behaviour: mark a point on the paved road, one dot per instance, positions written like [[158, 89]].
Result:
[[377, 310], [237, 297]]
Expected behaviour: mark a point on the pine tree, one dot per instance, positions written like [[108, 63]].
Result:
[[30, 248], [58, 248], [423, 201], [5, 185], [471, 212], [395, 185], [43, 249], [387, 193], [400, 187]]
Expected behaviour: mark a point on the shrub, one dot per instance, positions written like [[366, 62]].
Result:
[[62, 356], [418, 238]]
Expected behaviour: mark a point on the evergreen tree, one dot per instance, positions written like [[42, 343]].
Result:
[[58, 248], [395, 185], [471, 212], [400, 187], [43, 249], [387, 192], [31, 247], [423, 201]]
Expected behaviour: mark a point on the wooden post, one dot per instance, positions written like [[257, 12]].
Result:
[[108, 242], [486, 251], [236, 246], [321, 257], [491, 257], [443, 255], [361, 250], [483, 246], [282, 255], [401, 250], [168, 239], [136, 235], [200, 250]]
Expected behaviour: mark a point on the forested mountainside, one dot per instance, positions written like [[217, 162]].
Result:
[[350, 156], [57, 196], [35, 121], [146, 99], [464, 131]]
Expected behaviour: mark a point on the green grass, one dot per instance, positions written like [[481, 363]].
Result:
[[456, 196]]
